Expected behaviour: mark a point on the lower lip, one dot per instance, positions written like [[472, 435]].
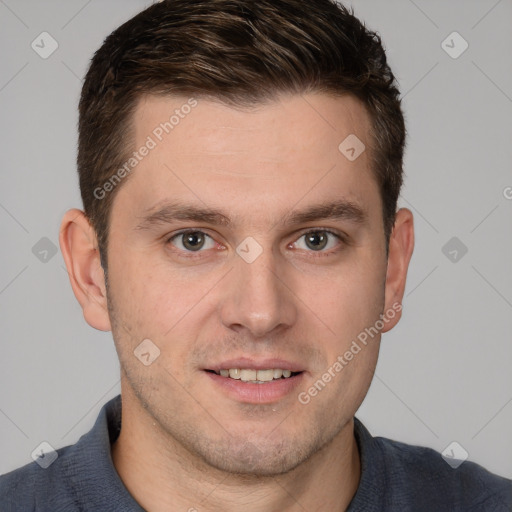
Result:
[[251, 393]]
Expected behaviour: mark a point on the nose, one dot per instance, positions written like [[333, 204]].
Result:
[[257, 297]]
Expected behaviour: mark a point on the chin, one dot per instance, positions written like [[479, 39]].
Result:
[[255, 460]]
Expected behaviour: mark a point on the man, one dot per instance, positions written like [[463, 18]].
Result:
[[240, 164]]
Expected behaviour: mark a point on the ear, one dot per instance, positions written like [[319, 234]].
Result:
[[401, 245], [78, 244]]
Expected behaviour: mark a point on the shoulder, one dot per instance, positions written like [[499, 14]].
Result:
[[76, 477], [31, 487], [400, 476], [423, 474]]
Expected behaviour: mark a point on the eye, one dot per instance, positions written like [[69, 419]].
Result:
[[318, 240], [192, 241]]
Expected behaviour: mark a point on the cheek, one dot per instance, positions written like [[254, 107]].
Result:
[[165, 305], [150, 305], [347, 300], [155, 302], [350, 306]]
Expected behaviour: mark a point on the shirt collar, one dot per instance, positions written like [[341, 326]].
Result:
[[94, 448]]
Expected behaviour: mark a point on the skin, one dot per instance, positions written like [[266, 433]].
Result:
[[184, 443]]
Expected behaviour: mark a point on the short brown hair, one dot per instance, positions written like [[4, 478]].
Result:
[[241, 52]]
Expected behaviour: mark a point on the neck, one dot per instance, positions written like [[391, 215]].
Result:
[[162, 475]]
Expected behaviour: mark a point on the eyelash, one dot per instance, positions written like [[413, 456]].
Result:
[[197, 254]]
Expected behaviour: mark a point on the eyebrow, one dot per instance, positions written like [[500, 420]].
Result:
[[168, 212]]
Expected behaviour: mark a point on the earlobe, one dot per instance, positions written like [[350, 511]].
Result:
[[401, 246], [79, 248]]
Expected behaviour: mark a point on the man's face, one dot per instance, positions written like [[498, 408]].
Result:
[[260, 288]]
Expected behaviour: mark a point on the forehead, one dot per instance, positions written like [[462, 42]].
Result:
[[309, 119], [260, 159]]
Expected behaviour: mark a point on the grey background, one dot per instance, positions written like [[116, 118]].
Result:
[[444, 371]]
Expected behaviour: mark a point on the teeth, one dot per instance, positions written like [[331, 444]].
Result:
[[265, 375], [247, 375], [278, 374], [255, 376]]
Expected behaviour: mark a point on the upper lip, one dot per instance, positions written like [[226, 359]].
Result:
[[254, 364]]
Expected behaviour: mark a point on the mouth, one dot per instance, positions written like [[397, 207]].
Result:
[[254, 376], [256, 382]]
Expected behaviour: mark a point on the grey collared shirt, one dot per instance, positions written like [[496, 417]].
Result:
[[394, 477]]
